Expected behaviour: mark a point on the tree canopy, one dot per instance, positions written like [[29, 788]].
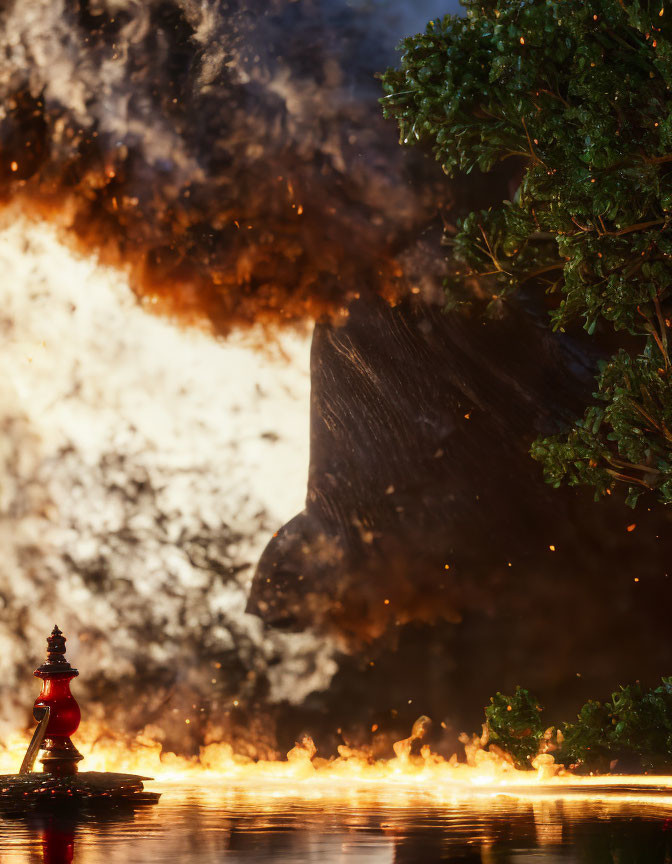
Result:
[[577, 92]]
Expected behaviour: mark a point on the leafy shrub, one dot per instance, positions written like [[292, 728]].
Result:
[[633, 727]]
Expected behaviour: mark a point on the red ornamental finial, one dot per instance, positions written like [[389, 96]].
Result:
[[60, 756]]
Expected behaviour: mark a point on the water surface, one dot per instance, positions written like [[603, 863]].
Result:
[[264, 825]]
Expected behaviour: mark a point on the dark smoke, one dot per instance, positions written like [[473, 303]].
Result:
[[231, 154]]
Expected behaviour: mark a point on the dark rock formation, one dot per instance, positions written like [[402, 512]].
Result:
[[430, 537]]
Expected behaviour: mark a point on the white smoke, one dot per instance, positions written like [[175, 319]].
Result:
[[142, 469]]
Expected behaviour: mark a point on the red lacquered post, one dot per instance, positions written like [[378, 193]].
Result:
[[60, 754]]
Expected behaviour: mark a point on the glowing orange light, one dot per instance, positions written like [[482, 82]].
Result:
[[304, 771], [632, 527]]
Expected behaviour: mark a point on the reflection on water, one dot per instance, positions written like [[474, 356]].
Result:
[[196, 824]]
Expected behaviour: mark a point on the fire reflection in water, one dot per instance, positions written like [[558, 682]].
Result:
[[376, 825], [411, 808]]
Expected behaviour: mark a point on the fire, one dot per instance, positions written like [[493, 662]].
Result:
[[479, 770], [304, 773]]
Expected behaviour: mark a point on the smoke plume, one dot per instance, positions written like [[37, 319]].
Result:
[[142, 469], [231, 154], [230, 157]]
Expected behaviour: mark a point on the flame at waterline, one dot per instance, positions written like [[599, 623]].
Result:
[[304, 773]]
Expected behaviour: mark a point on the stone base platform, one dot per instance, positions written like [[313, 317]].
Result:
[[25, 792]]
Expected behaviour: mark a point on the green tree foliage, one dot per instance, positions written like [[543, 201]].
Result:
[[579, 92], [514, 724], [633, 727]]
